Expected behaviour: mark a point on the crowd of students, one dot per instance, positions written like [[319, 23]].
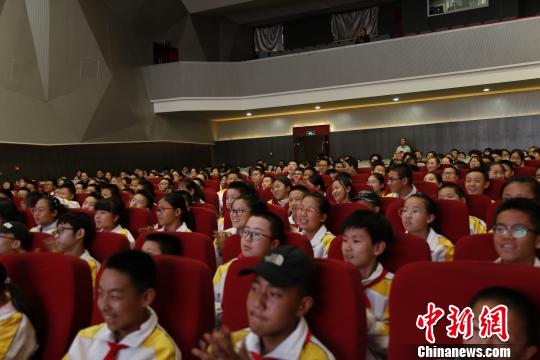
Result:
[[281, 292]]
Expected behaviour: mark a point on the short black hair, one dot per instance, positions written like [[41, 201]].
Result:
[[300, 188], [243, 187], [403, 171], [254, 203], [137, 265], [168, 244], [322, 201], [516, 302], [480, 171], [277, 229], [527, 180], [526, 206], [79, 220], [376, 225], [458, 190]]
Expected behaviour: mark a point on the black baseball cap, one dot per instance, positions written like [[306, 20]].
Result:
[[19, 230], [369, 196], [284, 266]]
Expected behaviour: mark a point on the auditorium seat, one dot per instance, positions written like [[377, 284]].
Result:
[[339, 213], [282, 213], [361, 178], [337, 317], [490, 214], [404, 249], [393, 216], [194, 245], [204, 205], [453, 219], [532, 163], [126, 198], [38, 241], [494, 188], [28, 218], [265, 194], [211, 197], [418, 176], [525, 171], [158, 195], [418, 284], [139, 219], [84, 211], [478, 205], [476, 247], [211, 184], [80, 198], [58, 290], [107, 243], [205, 220], [385, 202], [232, 247], [427, 188]]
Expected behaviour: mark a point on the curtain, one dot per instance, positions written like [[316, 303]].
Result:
[[268, 39], [350, 25]]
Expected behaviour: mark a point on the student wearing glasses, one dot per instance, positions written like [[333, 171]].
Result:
[[173, 214], [263, 231], [400, 182], [450, 174], [516, 233]]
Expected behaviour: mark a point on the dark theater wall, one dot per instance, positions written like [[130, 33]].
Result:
[[39, 162]]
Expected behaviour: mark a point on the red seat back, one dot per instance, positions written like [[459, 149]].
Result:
[[211, 197], [338, 215], [80, 198], [211, 184], [126, 197], [280, 212], [408, 300], [28, 218], [525, 171], [38, 241], [478, 205], [265, 194], [427, 188], [392, 214], [418, 176], [139, 218], [107, 243], [361, 178], [385, 202], [85, 211], [58, 290], [205, 220], [490, 214], [194, 245], [403, 249], [476, 247], [453, 219], [532, 163], [494, 188], [338, 314]]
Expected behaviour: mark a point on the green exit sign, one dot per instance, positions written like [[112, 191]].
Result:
[[310, 133]]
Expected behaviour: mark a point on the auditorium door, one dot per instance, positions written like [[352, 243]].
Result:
[[310, 142]]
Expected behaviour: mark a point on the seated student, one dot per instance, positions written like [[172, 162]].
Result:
[[108, 191], [520, 186], [369, 199], [376, 181], [454, 192], [162, 244], [450, 174], [14, 238], [476, 181], [365, 236], [296, 195], [342, 190], [377, 167], [173, 214], [475, 163], [495, 171], [241, 210], [278, 300], [508, 168], [46, 212], [517, 157], [311, 215], [297, 177], [66, 195], [522, 321], [17, 335], [110, 215], [191, 187], [307, 173], [418, 217], [90, 201], [516, 233], [142, 199], [234, 191], [165, 185], [315, 183], [73, 237], [400, 180], [433, 178], [131, 329], [433, 163], [280, 189], [267, 182], [263, 231], [256, 175]]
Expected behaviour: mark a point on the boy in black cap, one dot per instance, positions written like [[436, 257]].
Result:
[[369, 199], [14, 238], [278, 300]]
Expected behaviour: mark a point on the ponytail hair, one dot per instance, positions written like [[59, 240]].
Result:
[[177, 201]]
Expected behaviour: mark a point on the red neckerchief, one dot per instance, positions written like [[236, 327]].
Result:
[[256, 356]]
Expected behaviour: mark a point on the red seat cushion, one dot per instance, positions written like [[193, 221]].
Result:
[[205, 220], [139, 220], [476, 247], [339, 213], [107, 243], [58, 292], [478, 205]]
